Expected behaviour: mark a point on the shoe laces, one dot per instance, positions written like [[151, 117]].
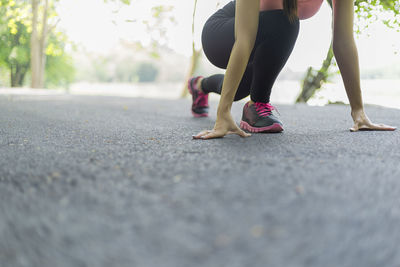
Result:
[[264, 109], [202, 99]]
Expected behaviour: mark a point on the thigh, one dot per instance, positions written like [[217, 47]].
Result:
[[218, 36], [276, 33]]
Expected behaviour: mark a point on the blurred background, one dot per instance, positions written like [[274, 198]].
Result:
[[148, 48]]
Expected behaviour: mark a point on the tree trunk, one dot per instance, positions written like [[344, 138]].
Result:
[[35, 49], [21, 76], [195, 56], [38, 45], [43, 44], [13, 79], [16, 76], [18, 73], [314, 79]]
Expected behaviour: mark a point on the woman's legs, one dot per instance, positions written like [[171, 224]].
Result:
[[213, 84], [275, 41]]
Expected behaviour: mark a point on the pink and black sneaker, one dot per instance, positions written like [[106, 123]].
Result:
[[200, 99], [258, 118]]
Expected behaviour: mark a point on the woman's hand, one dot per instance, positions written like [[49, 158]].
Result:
[[363, 123], [224, 125]]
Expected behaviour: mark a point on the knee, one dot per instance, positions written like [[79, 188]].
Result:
[[241, 95]]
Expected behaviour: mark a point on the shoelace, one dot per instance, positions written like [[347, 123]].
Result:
[[264, 109], [201, 100]]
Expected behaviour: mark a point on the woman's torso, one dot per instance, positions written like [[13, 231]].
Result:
[[306, 8]]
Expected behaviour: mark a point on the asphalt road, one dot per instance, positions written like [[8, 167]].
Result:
[[115, 182]]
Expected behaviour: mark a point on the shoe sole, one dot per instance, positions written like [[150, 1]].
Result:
[[202, 115], [274, 128], [196, 115]]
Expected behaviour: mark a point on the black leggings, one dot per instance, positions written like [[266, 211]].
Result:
[[275, 40]]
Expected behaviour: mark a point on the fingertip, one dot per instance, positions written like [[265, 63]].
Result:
[[198, 136], [244, 134]]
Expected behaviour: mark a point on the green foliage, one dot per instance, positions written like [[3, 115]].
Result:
[[368, 11], [4, 76], [15, 31], [14, 41], [60, 71]]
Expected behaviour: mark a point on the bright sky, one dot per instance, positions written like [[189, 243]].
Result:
[[90, 23]]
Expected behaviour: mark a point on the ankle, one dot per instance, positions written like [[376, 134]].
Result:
[[198, 85]]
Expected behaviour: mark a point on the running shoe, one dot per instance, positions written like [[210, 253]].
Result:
[[258, 118], [200, 99]]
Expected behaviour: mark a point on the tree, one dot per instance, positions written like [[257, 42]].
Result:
[[16, 33], [366, 12], [41, 28], [14, 40]]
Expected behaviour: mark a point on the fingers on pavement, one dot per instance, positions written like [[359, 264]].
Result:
[[373, 127], [201, 134]]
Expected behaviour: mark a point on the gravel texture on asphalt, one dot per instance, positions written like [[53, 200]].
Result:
[[105, 181]]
